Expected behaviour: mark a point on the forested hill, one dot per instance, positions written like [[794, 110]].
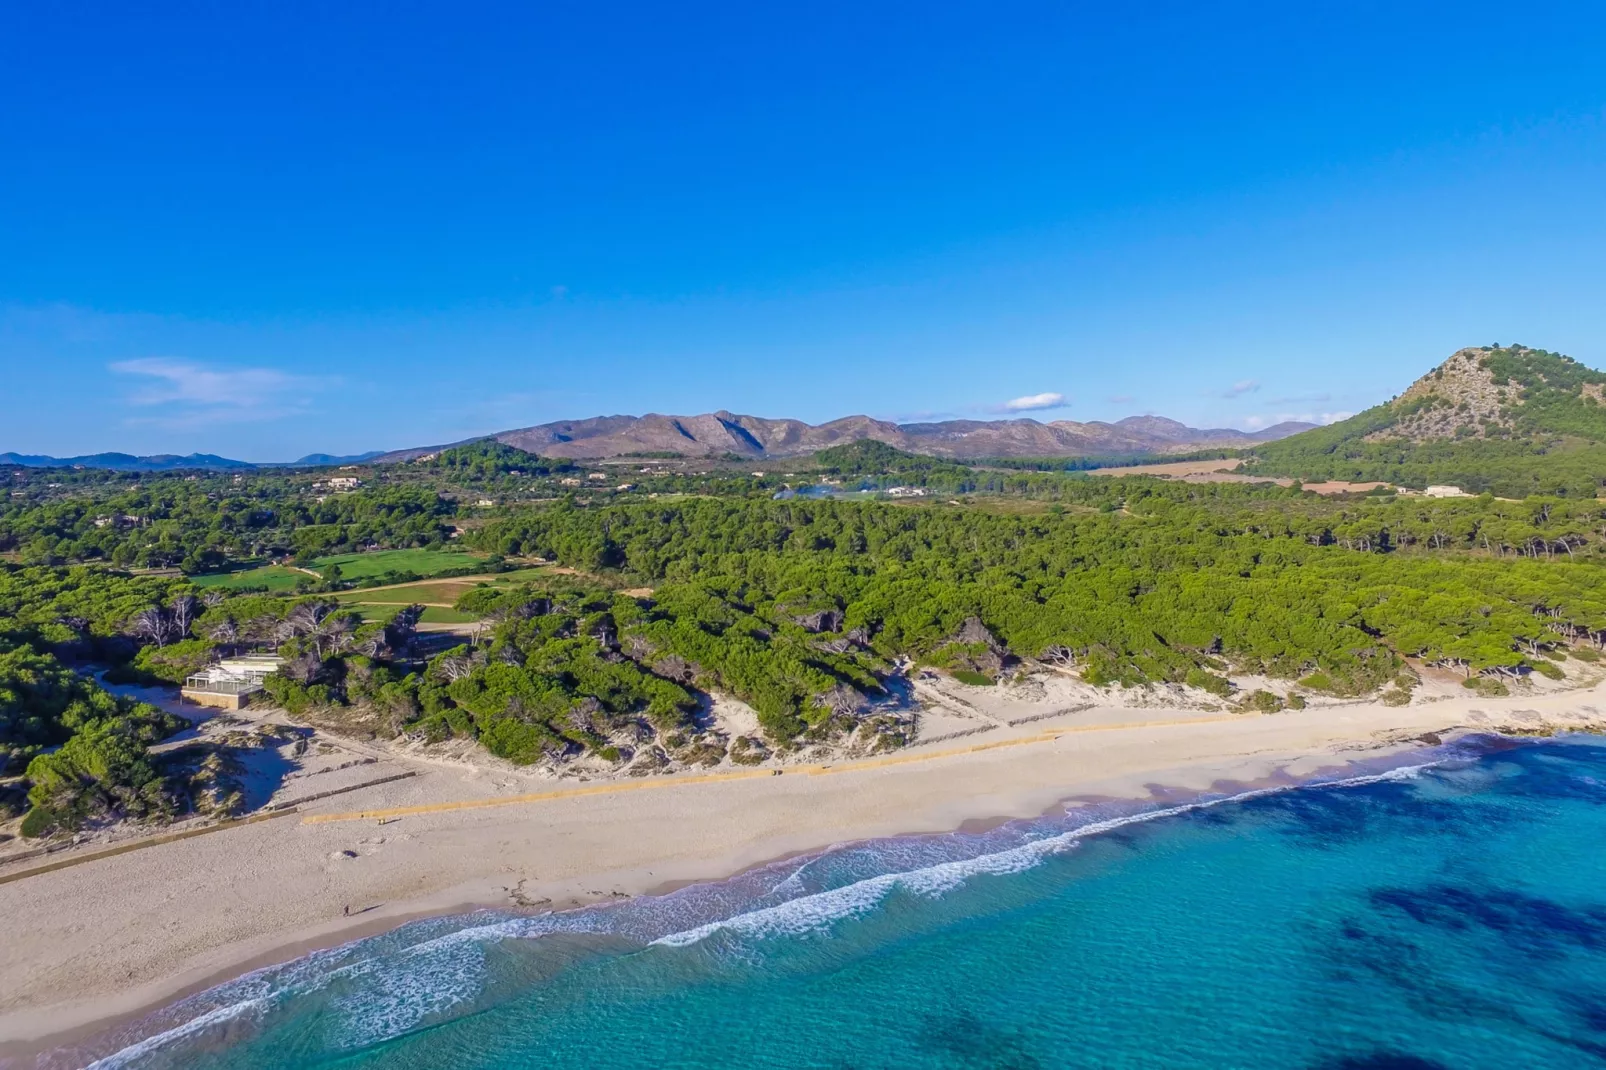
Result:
[[1508, 419]]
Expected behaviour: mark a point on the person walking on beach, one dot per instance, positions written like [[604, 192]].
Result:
[[346, 910]]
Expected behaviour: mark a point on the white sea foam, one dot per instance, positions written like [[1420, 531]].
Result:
[[389, 990], [814, 912], [150, 1045]]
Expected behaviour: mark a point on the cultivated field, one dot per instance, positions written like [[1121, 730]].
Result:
[[1226, 471]]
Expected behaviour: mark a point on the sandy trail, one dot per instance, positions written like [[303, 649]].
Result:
[[120, 934]]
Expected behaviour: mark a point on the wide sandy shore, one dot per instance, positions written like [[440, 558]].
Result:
[[114, 936]]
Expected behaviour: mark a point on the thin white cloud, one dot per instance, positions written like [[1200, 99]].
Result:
[[1032, 403], [1255, 423], [920, 416], [193, 395], [1121, 399], [1241, 387]]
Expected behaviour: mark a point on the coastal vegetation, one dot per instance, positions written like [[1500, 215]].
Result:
[[605, 612]]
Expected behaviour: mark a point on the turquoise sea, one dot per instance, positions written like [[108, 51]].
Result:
[[1450, 913]]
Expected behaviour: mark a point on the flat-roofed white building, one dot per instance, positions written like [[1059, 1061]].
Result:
[[231, 682]]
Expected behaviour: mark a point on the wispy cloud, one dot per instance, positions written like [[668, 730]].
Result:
[[1031, 403], [1255, 423], [1121, 399], [1241, 387], [919, 416], [1302, 399], [194, 395]]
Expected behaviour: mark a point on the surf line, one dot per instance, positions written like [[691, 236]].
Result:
[[617, 787]]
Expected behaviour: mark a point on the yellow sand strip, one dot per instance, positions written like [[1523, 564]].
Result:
[[613, 787]]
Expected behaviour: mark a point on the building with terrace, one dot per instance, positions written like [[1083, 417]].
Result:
[[231, 682]]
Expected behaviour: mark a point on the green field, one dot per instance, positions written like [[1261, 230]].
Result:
[[378, 562], [432, 614], [275, 578]]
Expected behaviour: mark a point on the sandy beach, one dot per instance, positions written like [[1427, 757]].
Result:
[[117, 935]]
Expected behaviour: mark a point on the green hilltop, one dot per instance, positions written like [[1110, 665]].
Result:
[[1509, 420]]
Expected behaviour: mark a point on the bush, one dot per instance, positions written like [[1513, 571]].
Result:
[[974, 679], [1547, 669], [1296, 702], [1396, 696], [1584, 653], [1263, 702], [1207, 681], [1317, 681], [1486, 686], [39, 822]]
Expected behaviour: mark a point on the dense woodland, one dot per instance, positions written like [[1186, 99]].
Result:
[[802, 608]]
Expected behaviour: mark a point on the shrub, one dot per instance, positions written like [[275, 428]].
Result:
[[1487, 686], [1296, 702], [1396, 696], [1208, 681], [1317, 681], [1547, 669], [40, 822], [974, 679], [1263, 702]]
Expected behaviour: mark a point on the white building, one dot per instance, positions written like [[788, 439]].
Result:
[[1444, 492], [232, 681]]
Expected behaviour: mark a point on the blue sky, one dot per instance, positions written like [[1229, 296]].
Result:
[[267, 229]]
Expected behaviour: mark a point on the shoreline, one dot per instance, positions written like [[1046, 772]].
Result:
[[961, 792], [323, 938]]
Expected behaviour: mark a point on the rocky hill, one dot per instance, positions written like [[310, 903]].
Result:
[[1510, 419], [720, 433]]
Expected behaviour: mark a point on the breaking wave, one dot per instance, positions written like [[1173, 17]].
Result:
[[382, 987]]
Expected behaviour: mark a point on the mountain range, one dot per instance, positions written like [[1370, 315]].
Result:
[[719, 433], [167, 462]]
